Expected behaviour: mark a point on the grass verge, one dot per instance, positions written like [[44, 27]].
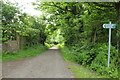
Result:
[[29, 52], [82, 72]]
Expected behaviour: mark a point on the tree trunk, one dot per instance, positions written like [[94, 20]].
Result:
[[118, 38], [95, 34]]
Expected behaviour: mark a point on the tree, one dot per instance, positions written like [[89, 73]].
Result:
[[14, 23], [81, 20], [9, 14]]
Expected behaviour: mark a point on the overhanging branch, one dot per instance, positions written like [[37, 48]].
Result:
[[101, 5]]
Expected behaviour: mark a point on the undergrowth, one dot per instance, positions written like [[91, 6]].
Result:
[[93, 57]]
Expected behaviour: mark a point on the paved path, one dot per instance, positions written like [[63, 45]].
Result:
[[50, 64]]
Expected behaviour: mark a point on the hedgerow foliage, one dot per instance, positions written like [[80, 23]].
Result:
[[95, 58]]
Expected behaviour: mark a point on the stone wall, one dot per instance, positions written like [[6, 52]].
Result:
[[14, 45], [10, 46]]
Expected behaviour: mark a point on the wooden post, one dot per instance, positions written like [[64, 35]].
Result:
[[18, 41]]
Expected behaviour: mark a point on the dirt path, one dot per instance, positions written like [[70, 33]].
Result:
[[50, 64]]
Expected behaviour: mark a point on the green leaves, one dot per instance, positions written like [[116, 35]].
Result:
[[15, 22], [94, 58]]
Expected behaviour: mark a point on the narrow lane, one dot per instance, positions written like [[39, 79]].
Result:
[[50, 64]]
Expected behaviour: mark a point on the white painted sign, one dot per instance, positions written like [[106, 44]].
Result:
[[109, 43], [109, 25]]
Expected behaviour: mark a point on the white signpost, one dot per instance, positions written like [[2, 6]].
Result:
[[109, 26]]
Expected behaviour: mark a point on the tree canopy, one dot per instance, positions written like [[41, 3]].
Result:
[[82, 21], [15, 22]]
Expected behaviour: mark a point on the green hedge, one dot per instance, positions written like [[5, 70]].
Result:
[[94, 57]]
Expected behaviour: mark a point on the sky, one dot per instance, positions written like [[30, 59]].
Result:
[[27, 6]]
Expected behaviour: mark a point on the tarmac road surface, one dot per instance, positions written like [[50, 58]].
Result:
[[49, 64]]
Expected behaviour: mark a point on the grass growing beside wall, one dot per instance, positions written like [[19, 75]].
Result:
[[29, 52]]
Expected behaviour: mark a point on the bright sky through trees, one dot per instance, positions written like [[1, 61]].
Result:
[[27, 7]]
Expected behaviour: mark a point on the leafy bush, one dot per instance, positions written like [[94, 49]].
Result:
[[67, 54], [99, 64], [94, 57]]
